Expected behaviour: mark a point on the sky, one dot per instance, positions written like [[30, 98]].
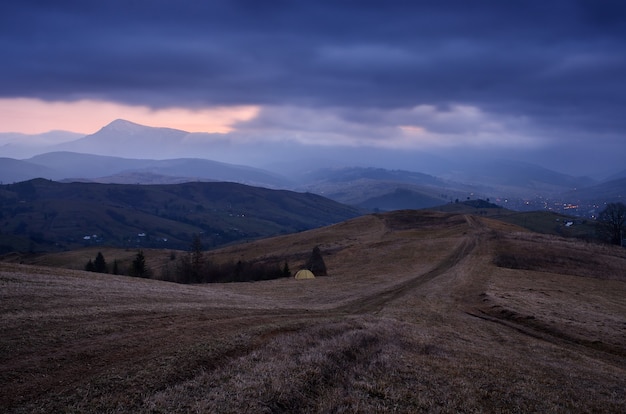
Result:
[[539, 80]]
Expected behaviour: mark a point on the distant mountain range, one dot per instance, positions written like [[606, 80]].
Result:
[[70, 166], [127, 153], [514, 175], [15, 145], [601, 193]]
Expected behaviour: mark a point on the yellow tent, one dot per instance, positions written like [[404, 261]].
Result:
[[304, 274]]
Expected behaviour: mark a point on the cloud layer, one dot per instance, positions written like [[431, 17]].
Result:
[[486, 71]]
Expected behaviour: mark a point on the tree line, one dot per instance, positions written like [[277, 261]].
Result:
[[137, 267], [194, 267]]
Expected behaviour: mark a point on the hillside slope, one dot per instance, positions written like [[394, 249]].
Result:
[[44, 215], [421, 312]]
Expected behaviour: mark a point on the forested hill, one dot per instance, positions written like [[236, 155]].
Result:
[[43, 215]]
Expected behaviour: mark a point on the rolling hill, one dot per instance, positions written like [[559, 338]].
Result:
[[71, 166], [42, 215], [380, 189], [608, 191], [12, 170], [516, 178], [421, 312]]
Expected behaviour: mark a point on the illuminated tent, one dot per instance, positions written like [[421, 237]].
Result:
[[304, 274]]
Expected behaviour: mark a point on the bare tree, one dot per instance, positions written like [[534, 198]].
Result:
[[611, 222]]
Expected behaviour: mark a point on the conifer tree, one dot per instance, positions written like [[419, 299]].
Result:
[[90, 267], [316, 263], [138, 267], [286, 271], [100, 264]]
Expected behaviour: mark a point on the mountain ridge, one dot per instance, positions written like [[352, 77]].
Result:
[[369, 187], [47, 215], [121, 152], [68, 165]]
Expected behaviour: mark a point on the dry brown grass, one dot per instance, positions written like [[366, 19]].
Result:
[[415, 317]]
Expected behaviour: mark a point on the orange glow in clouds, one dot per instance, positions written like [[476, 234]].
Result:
[[34, 116]]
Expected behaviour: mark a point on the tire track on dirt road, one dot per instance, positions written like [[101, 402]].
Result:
[[374, 303]]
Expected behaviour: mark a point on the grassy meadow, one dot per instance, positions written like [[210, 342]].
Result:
[[421, 312]]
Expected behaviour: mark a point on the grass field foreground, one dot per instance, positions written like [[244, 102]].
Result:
[[421, 312]]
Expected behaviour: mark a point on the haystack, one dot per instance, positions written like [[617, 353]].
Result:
[[304, 274]]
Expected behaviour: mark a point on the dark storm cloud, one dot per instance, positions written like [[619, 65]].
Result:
[[560, 62]]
